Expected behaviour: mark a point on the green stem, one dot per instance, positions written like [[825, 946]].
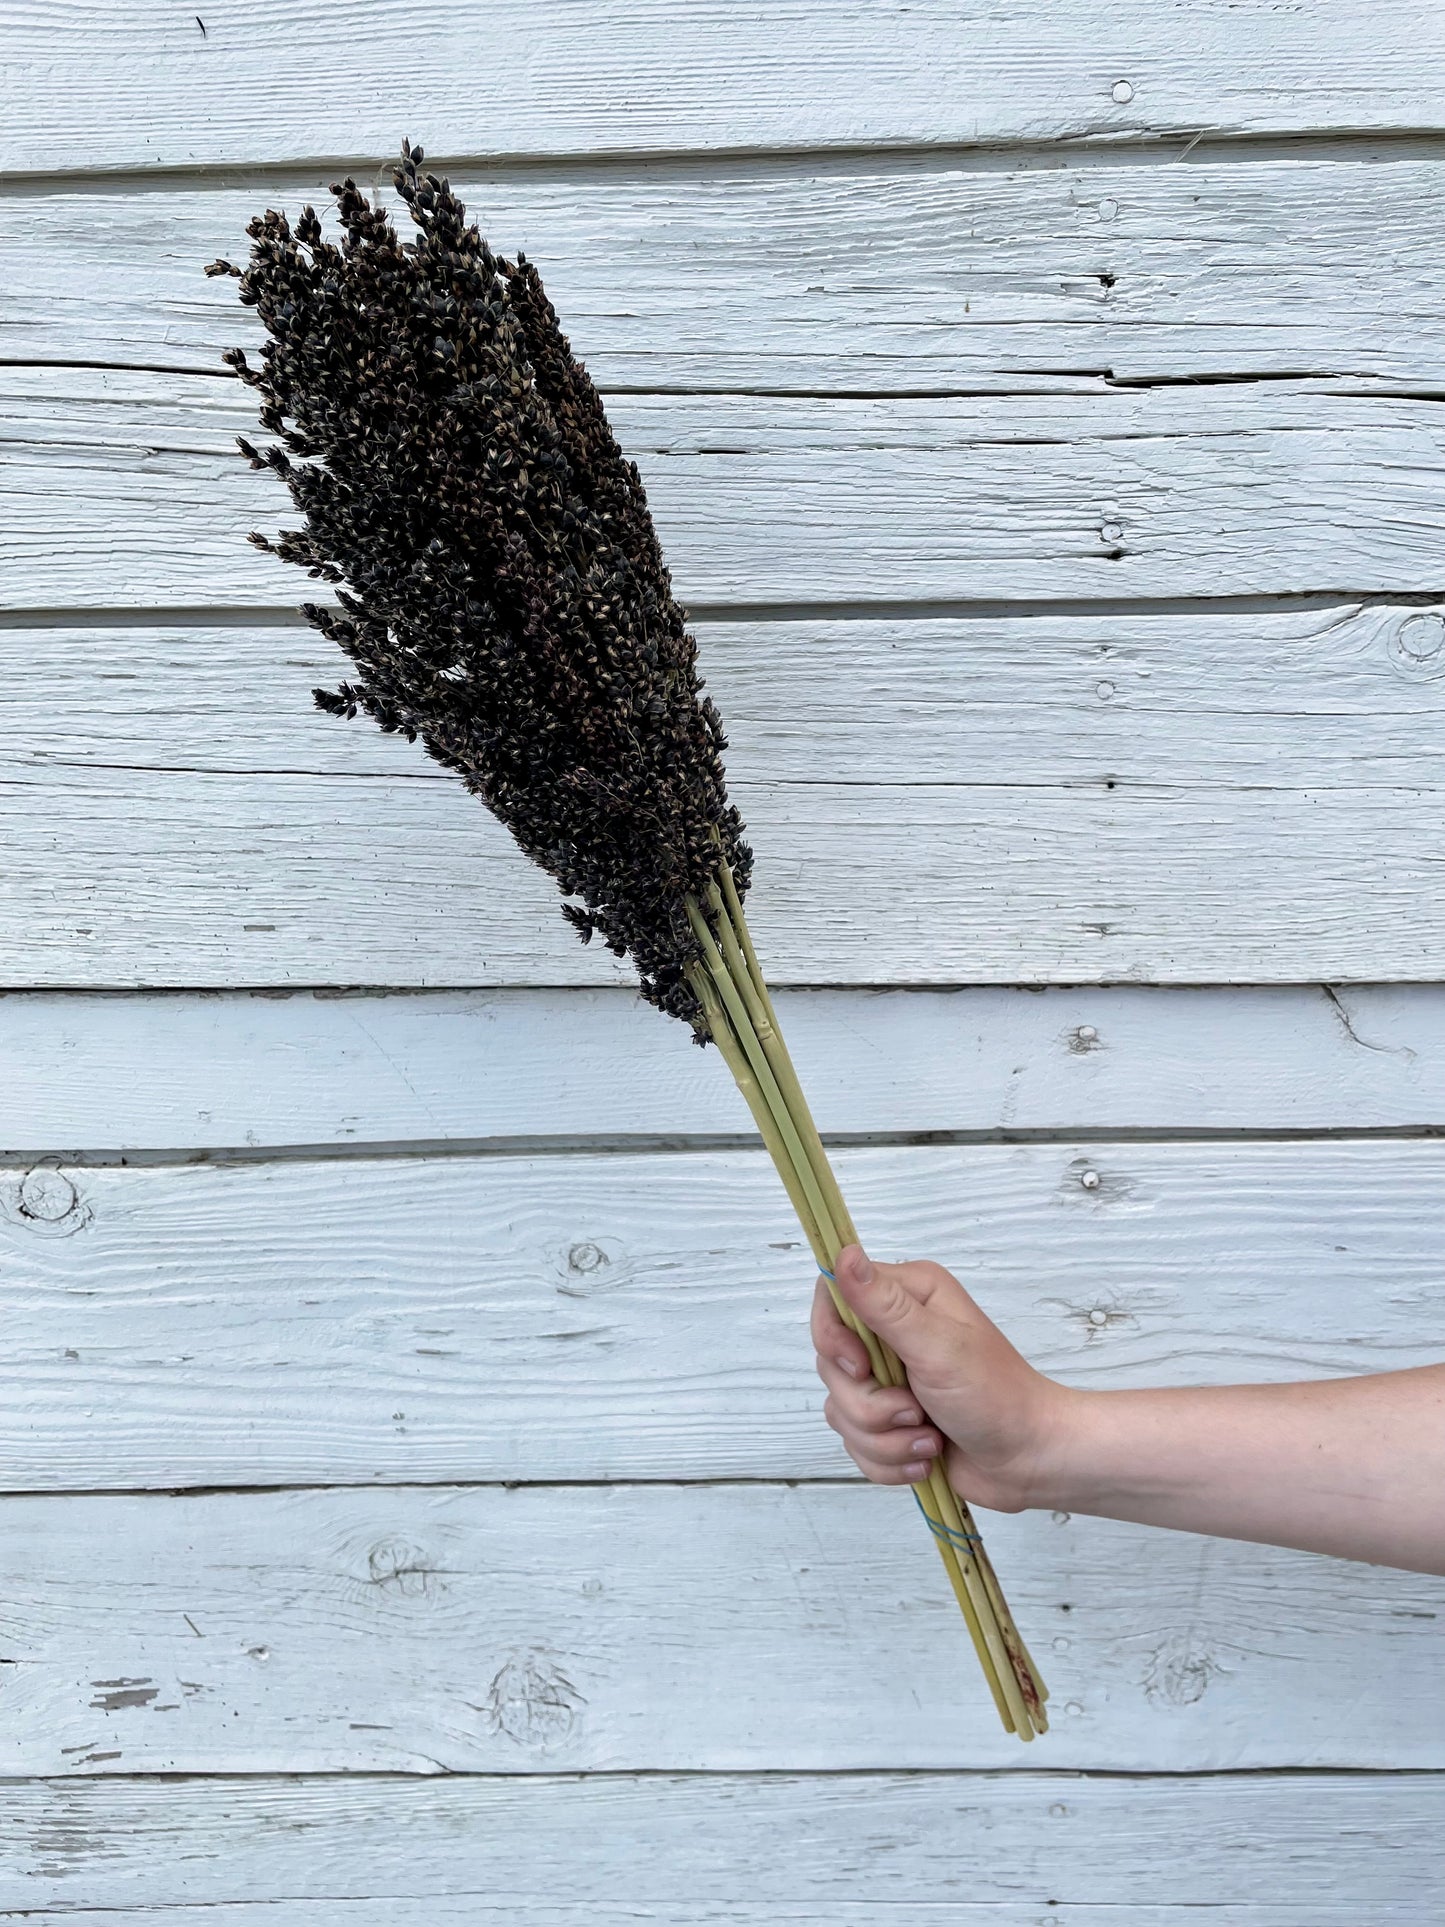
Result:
[[1008, 1667]]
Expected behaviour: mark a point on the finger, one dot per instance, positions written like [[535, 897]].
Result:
[[832, 1338], [914, 1473], [893, 1445], [893, 1449], [870, 1407], [878, 1294]]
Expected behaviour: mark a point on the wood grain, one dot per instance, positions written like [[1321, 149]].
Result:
[[142, 86], [872, 273], [596, 1316], [1351, 697], [122, 489], [569, 1629], [98, 1073], [1021, 1848], [122, 878]]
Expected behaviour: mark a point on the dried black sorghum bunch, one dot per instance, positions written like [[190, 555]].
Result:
[[501, 588]]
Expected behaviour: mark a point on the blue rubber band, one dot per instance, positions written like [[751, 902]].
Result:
[[826, 1273], [941, 1531]]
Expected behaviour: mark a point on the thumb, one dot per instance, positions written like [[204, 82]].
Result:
[[883, 1301]]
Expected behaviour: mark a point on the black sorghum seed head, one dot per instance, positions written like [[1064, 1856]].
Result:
[[502, 593]]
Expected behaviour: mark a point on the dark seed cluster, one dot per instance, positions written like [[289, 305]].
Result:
[[501, 589]]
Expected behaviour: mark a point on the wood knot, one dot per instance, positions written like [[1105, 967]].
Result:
[[532, 1701], [395, 1566], [590, 1265], [1417, 645], [1179, 1671], [46, 1200]]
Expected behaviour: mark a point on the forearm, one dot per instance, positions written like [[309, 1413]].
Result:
[[1353, 1467]]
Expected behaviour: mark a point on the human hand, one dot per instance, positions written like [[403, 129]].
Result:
[[1354, 1467], [970, 1396]]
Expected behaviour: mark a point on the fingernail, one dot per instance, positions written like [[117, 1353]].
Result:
[[847, 1365], [923, 1446], [912, 1472], [908, 1417]]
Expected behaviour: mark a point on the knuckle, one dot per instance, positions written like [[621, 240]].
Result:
[[928, 1272], [893, 1300]]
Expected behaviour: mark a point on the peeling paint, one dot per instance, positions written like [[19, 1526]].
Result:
[[116, 1694]]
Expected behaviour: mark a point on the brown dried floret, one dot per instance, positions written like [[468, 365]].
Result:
[[501, 589]]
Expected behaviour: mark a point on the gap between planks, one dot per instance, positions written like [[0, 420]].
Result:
[[702, 1144], [146, 1782], [919, 609], [1025, 382], [201, 1490], [682, 164]]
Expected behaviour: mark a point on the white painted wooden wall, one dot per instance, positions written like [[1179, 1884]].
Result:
[[416, 1510]]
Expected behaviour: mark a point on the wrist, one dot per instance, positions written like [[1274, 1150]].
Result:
[[1113, 1452], [1058, 1472]]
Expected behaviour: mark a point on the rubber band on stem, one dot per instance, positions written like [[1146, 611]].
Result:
[[941, 1531]]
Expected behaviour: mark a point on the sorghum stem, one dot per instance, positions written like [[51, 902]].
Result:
[[740, 1014]]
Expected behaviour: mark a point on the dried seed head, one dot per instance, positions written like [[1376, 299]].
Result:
[[502, 592]]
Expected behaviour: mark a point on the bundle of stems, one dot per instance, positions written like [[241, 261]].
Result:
[[502, 595], [742, 1023]]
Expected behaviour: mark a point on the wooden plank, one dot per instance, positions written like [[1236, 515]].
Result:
[[567, 1628], [1322, 698], [121, 878], [119, 491], [145, 86], [876, 273], [1058, 717], [86, 1073], [1026, 1849], [429, 1912], [742, 1911], [595, 1316]]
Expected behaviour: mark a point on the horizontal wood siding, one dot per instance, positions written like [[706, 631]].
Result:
[[603, 1315], [1348, 697], [146, 86], [120, 878], [991, 269], [1018, 1848], [415, 1501], [1262, 489], [1079, 797], [787, 1628], [205, 1072]]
